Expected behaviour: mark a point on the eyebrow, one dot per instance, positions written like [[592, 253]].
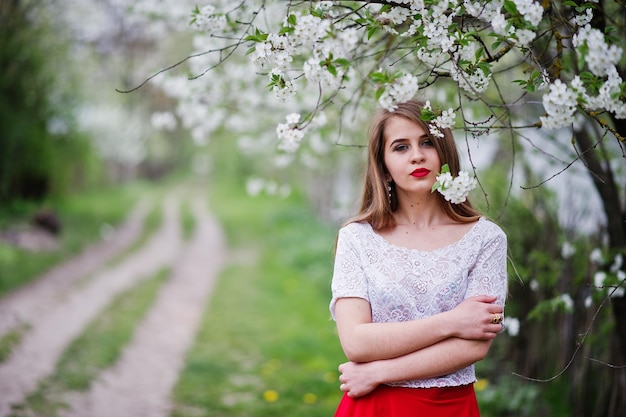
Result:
[[394, 141], [398, 140]]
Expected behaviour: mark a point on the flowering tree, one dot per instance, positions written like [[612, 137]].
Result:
[[547, 75]]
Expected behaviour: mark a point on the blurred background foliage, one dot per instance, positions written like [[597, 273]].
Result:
[[43, 152]]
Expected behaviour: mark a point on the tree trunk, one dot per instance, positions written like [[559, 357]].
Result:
[[604, 182]]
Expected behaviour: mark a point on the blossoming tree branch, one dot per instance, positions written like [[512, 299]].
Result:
[[538, 72]]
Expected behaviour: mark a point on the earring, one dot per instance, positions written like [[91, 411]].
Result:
[[389, 192]]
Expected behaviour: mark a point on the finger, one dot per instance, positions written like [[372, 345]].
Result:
[[484, 298]]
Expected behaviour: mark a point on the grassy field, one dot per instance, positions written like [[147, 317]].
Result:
[[267, 346]]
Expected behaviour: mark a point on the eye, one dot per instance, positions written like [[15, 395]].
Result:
[[401, 148], [427, 143]]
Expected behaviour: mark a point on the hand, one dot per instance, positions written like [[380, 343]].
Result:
[[357, 379], [472, 319]]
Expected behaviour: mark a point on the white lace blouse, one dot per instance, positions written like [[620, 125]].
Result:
[[403, 284]]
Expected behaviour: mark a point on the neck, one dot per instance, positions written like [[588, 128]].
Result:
[[419, 213]]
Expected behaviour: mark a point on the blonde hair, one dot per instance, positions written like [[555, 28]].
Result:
[[376, 206]]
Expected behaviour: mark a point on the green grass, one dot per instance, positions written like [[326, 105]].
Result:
[[94, 350], [267, 346], [187, 219], [12, 339], [83, 217]]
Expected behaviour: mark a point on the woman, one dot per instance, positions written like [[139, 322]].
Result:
[[418, 284]]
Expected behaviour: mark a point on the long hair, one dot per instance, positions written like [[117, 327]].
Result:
[[376, 206]]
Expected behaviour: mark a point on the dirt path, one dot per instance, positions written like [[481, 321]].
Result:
[[140, 383], [34, 300]]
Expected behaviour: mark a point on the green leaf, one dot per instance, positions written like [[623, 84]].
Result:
[[485, 67], [332, 69], [445, 169], [479, 53], [379, 77], [292, 19], [370, 32], [379, 92], [343, 62], [510, 7], [257, 37], [428, 115]]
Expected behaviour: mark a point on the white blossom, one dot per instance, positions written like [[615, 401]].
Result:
[[560, 105], [583, 19], [402, 89], [455, 189], [208, 20], [567, 250], [474, 83], [596, 256], [567, 301], [441, 122], [524, 37], [531, 10], [600, 57], [501, 26], [289, 134], [618, 292], [163, 121], [485, 11], [618, 261], [512, 326], [598, 279], [397, 15], [293, 118], [309, 29], [285, 92], [534, 285], [254, 186]]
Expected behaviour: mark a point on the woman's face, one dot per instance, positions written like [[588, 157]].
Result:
[[410, 157]]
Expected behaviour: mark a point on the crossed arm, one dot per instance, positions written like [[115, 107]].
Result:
[[417, 349]]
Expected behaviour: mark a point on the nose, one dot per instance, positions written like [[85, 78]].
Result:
[[417, 156]]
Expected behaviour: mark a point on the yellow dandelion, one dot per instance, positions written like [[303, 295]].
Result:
[[330, 377], [481, 384], [270, 396], [309, 398], [270, 367]]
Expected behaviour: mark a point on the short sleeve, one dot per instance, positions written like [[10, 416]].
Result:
[[349, 279], [488, 275]]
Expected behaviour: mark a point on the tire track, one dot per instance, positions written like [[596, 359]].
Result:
[[142, 380], [28, 303], [51, 333]]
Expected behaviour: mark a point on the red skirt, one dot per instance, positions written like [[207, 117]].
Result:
[[386, 401]]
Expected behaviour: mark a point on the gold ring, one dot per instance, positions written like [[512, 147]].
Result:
[[497, 319]]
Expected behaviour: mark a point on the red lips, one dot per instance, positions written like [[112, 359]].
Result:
[[420, 172]]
